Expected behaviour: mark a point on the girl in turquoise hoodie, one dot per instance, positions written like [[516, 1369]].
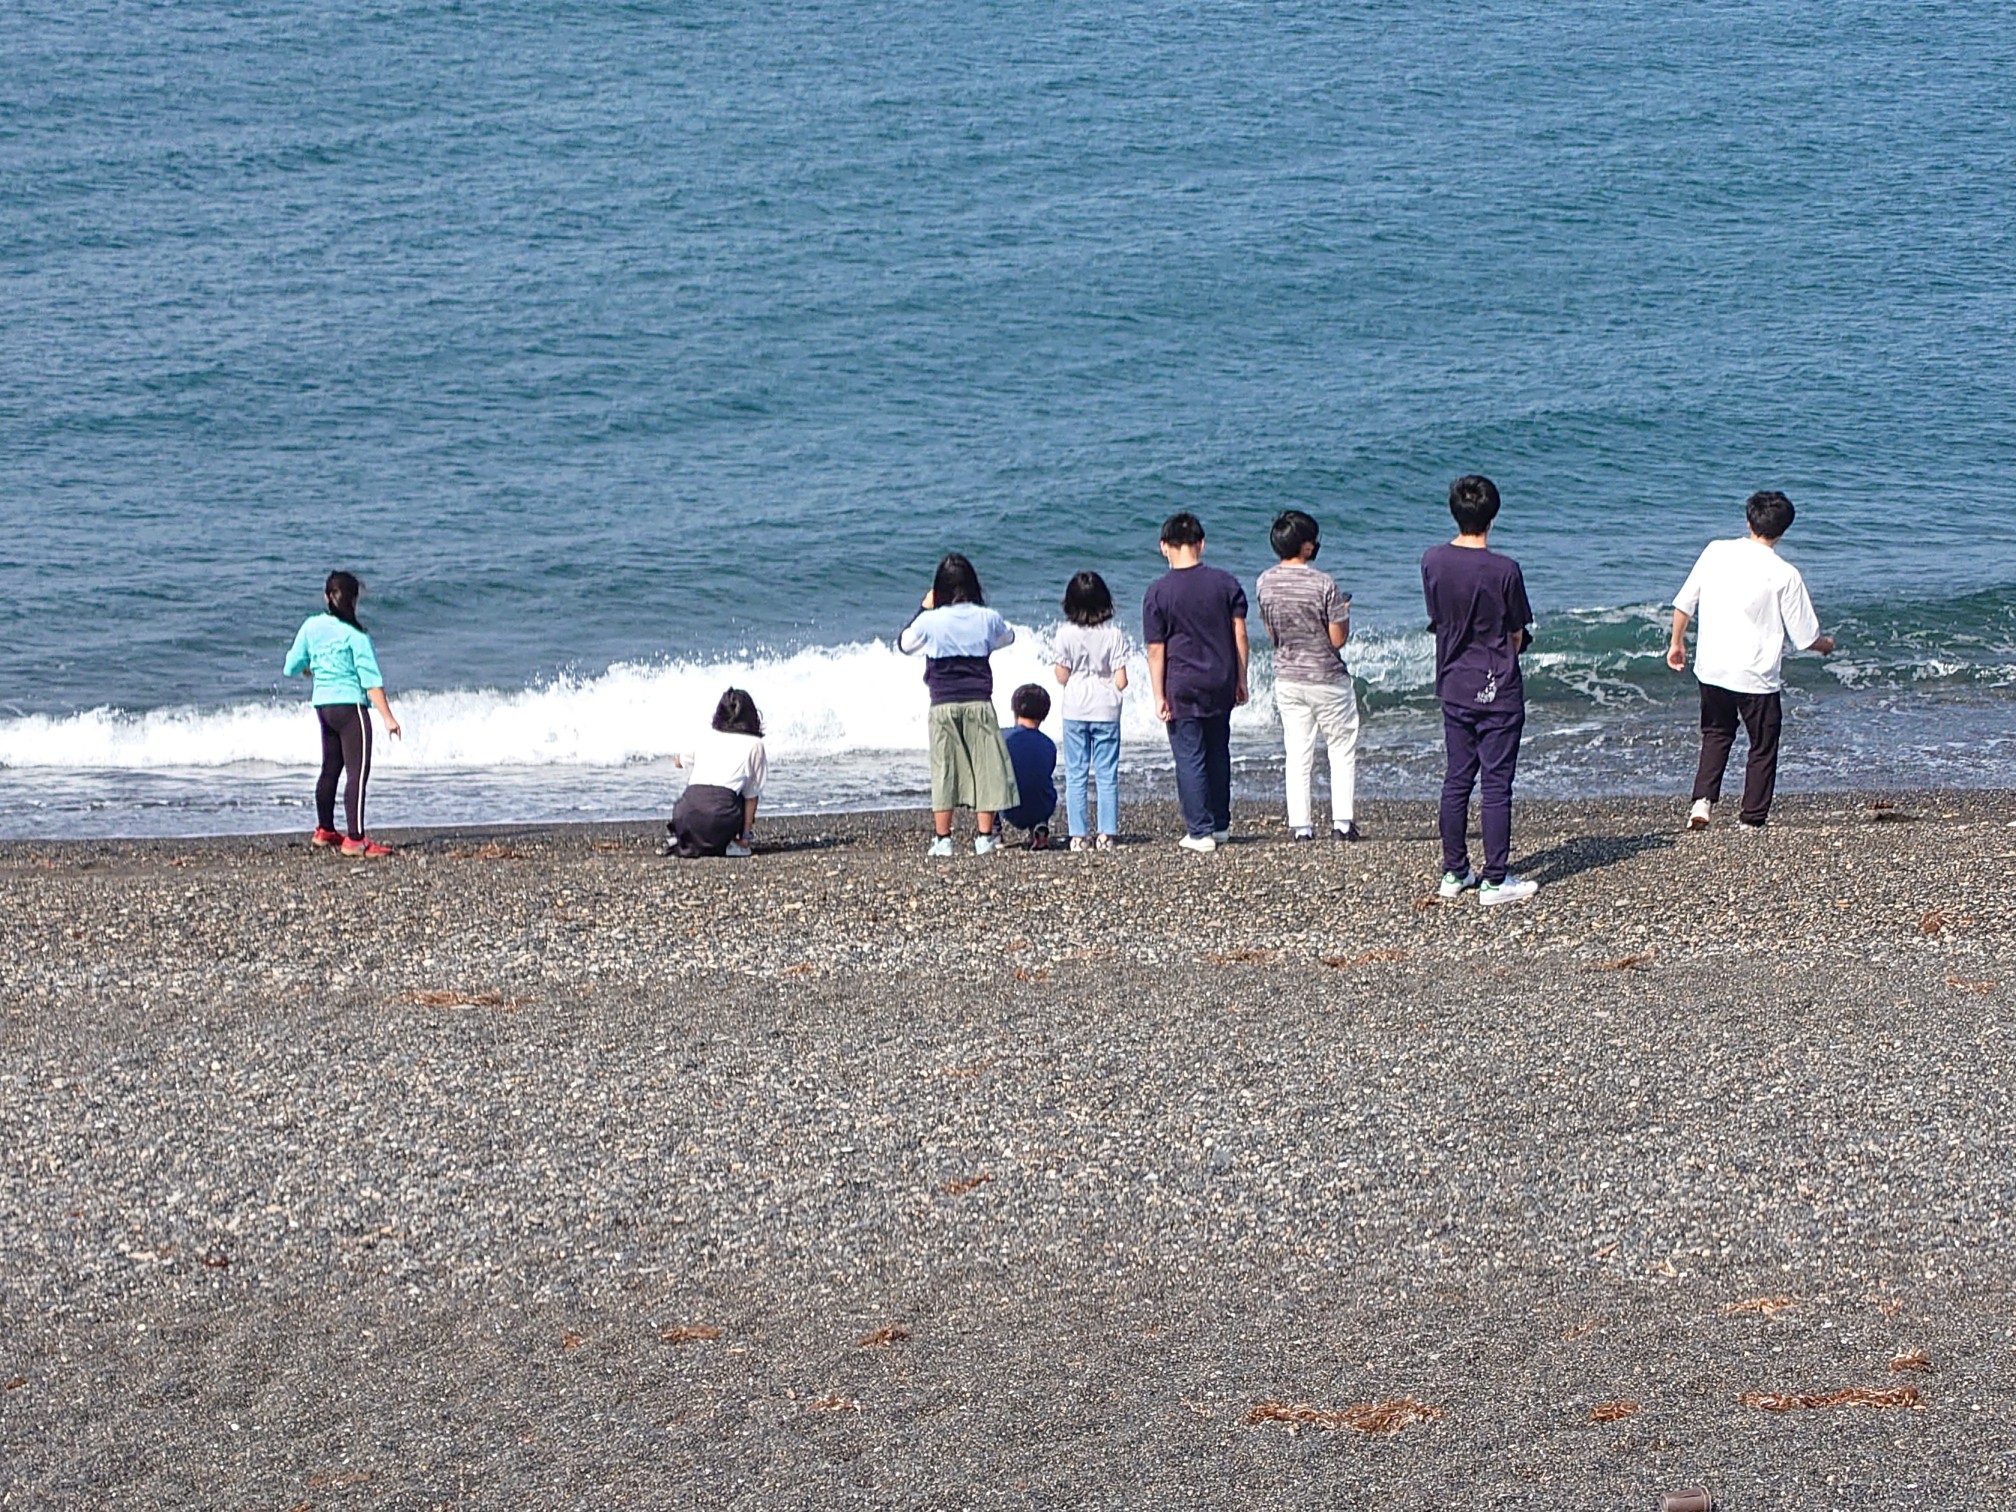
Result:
[[335, 652]]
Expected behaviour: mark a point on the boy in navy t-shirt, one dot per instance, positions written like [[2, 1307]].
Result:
[[1034, 757], [1194, 623], [1478, 610]]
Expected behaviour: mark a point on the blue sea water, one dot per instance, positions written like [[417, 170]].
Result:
[[628, 348]]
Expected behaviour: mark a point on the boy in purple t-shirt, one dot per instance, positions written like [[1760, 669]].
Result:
[[1477, 608], [1193, 621]]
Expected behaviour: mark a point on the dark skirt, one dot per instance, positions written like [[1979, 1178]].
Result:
[[705, 820]]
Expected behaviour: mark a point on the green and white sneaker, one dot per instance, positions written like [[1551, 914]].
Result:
[[942, 846], [1511, 890], [986, 845], [1454, 886]]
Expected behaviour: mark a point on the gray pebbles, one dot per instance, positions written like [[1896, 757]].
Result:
[[530, 1169]]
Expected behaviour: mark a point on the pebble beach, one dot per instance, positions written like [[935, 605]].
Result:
[[532, 1169]]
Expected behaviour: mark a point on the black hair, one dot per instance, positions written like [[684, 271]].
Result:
[[955, 583], [1292, 531], [1030, 702], [1770, 513], [736, 714], [1473, 501], [340, 593], [1183, 529], [1087, 599]]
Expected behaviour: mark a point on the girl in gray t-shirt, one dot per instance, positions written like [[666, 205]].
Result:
[[1090, 653]]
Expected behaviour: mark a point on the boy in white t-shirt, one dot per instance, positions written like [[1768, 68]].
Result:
[[1749, 602]]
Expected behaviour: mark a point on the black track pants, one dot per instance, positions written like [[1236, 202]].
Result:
[[1762, 716], [346, 749]]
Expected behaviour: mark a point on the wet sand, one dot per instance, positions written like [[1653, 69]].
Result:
[[530, 1169]]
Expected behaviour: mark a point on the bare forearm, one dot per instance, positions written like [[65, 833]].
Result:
[[384, 707]]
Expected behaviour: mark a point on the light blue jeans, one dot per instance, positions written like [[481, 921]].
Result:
[[1092, 749]]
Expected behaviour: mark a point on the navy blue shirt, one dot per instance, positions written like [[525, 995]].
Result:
[[1189, 612], [1476, 601], [1034, 757]]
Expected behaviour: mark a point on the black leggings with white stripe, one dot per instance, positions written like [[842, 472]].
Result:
[[346, 749]]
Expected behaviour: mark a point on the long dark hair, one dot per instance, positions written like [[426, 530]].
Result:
[[341, 593], [956, 583], [736, 714], [1087, 600]]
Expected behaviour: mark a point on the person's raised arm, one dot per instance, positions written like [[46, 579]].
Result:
[[910, 639], [297, 656]]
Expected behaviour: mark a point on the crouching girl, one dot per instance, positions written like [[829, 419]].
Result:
[[716, 815]]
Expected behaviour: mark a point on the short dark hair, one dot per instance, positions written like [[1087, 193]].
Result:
[[1183, 529], [1030, 702], [736, 714], [1769, 513], [1292, 531], [1087, 599], [955, 582], [1473, 501]]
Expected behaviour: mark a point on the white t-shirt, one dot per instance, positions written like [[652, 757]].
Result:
[[1093, 653], [723, 759], [1746, 602]]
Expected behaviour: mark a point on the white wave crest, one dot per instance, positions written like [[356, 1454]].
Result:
[[861, 697]]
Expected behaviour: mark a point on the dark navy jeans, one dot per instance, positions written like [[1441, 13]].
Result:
[[1203, 752], [1481, 742]]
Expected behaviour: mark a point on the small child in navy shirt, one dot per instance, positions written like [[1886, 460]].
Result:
[[1034, 756]]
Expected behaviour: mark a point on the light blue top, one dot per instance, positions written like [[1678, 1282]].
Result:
[[956, 630], [340, 658]]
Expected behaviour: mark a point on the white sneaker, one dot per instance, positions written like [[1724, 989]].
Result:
[[1203, 844], [942, 846], [1511, 890], [986, 845], [1697, 816], [1223, 837], [1081, 842], [737, 850], [1454, 886]]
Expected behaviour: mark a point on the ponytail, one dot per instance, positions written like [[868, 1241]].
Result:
[[341, 593]]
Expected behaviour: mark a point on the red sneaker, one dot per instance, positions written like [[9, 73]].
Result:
[[366, 848], [326, 838]]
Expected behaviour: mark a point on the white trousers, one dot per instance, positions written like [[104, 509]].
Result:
[[1331, 711]]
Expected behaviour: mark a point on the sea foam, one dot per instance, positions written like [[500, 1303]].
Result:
[[862, 697]]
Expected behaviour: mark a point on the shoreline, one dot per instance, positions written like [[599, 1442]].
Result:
[[1149, 821], [531, 1168]]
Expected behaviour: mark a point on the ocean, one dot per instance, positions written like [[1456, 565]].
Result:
[[628, 350]]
